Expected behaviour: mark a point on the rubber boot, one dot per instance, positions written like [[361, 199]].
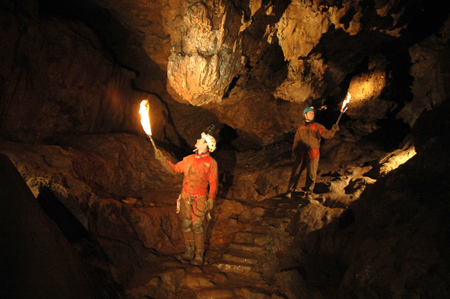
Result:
[[188, 255], [198, 260], [199, 249]]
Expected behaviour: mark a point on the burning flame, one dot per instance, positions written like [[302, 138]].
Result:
[[145, 119], [345, 104]]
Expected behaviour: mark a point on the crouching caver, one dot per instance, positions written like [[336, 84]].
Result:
[[197, 197]]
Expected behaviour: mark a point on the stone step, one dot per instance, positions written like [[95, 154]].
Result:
[[258, 229], [234, 268], [288, 205], [282, 210], [235, 293], [247, 247], [215, 293], [277, 222], [240, 257], [251, 237], [289, 212], [239, 271], [251, 293]]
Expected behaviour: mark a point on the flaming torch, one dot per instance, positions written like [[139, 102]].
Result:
[[344, 106], [145, 120]]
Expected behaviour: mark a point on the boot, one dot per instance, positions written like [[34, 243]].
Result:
[[288, 194], [311, 198], [188, 255], [198, 261]]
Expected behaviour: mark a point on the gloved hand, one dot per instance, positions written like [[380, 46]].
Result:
[[209, 205], [335, 127], [159, 155]]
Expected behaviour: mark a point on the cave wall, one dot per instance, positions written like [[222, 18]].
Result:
[[391, 242], [37, 261], [56, 79]]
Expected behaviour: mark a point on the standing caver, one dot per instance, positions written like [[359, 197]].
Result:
[[197, 196], [306, 152]]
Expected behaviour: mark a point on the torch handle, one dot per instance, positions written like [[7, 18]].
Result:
[[339, 118], [153, 143]]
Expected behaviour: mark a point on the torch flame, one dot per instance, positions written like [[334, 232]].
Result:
[[145, 119], [345, 103]]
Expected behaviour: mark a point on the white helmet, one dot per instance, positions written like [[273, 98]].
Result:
[[210, 141]]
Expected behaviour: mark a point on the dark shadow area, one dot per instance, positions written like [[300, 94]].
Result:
[[353, 186], [267, 69], [69, 225], [374, 172], [107, 28], [424, 18], [226, 158], [322, 188], [348, 17], [225, 138], [390, 134], [346, 219], [36, 261], [231, 86], [95, 260]]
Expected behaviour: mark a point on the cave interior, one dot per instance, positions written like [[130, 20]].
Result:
[[89, 212]]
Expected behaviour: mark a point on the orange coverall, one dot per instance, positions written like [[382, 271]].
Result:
[[200, 171]]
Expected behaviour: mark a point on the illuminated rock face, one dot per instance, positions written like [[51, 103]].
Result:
[[225, 58], [204, 48]]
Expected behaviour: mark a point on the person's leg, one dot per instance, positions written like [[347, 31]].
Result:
[[299, 166], [311, 174], [199, 237], [188, 234], [198, 220]]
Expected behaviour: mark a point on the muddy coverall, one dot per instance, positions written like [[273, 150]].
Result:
[[200, 171], [306, 150]]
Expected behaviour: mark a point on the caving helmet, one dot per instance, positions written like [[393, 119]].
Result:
[[307, 109], [210, 141]]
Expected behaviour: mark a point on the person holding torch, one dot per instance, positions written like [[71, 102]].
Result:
[[197, 197], [306, 152]]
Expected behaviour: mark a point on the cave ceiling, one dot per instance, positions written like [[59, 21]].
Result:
[[254, 65]]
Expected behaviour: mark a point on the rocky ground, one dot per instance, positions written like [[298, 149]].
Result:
[[260, 244]]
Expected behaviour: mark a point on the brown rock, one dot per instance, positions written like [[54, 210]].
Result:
[[171, 279], [35, 254], [196, 282], [215, 293]]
